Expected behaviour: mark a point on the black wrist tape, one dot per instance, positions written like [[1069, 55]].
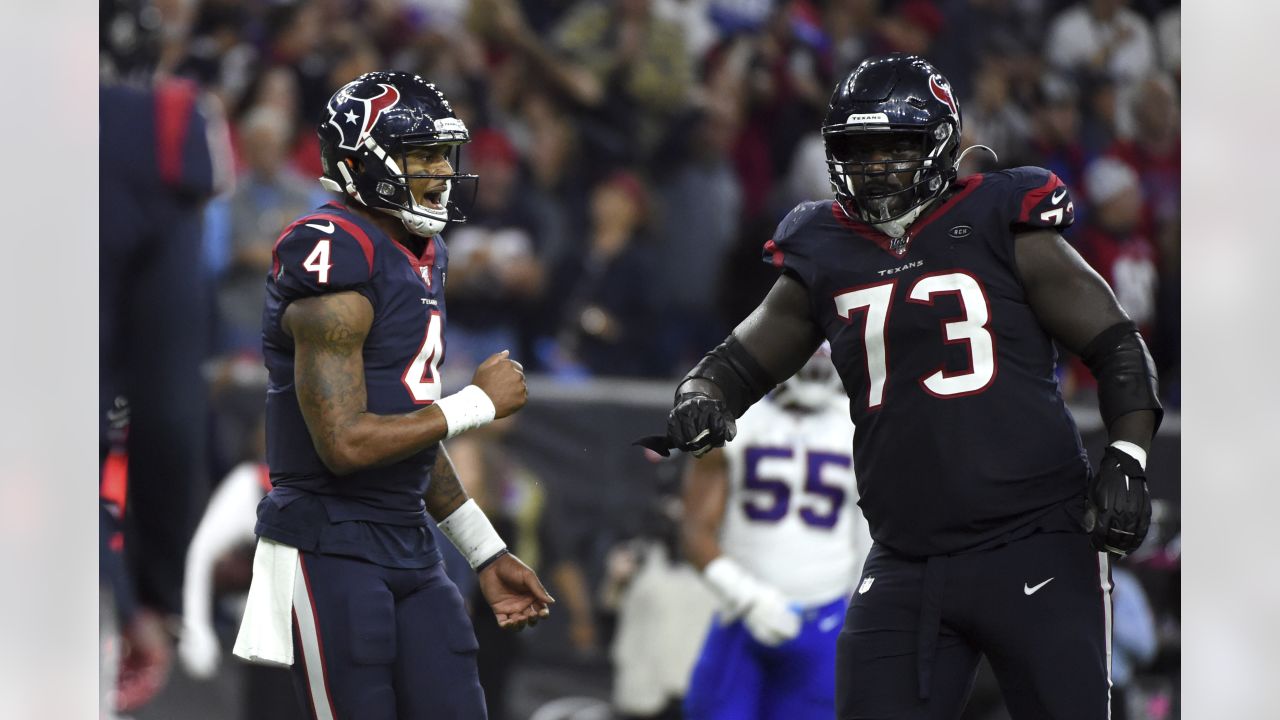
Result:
[[492, 559]]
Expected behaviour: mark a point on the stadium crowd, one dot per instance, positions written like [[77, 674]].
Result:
[[635, 155], [629, 150]]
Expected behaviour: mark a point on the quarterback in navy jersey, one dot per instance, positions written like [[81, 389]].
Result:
[[349, 588], [942, 298]]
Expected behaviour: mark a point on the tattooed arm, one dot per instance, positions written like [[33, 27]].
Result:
[[328, 335], [445, 494]]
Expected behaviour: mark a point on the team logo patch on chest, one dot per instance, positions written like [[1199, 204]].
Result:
[[960, 231]]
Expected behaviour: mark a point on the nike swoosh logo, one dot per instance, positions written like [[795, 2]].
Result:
[[1032, 590], [328, 227], [1057, 196]]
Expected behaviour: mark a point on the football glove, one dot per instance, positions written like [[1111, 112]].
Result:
[[763, 608], [699, 423], [1118, 512], [770, 619]]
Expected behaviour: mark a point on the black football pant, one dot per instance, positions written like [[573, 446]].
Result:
[[1039, 609], [376, 643]]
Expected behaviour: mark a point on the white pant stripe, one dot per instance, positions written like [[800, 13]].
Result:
[[1104, 576], [309, 638]]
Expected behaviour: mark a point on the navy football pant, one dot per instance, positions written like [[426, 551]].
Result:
[[1039, 609], [377, 643]]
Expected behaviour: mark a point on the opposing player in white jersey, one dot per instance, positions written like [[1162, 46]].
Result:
[[773, 523]]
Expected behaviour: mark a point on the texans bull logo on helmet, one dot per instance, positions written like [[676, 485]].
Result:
[[356, 121], [941, 90]]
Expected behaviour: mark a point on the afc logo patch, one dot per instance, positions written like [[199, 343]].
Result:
[[361, 115]]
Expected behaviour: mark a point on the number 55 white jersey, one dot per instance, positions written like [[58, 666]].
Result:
[[791, 517]]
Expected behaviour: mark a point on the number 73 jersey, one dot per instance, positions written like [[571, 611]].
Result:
[[962, 433]]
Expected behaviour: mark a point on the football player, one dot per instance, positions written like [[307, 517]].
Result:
[[942, 298], [348, 586], [772, 522]]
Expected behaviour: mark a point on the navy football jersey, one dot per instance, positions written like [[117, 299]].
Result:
[[334, 250], [962, 434]]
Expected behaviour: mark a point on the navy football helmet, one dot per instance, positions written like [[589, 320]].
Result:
[[906, 98], [366, 132]]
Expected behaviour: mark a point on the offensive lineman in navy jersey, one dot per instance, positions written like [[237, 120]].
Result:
[[348, 585], [942, 297]]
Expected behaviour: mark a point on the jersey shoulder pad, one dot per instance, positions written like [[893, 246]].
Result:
[[1037, 199], [786, 249], [320, 253]]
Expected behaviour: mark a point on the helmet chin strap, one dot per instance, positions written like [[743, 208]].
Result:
[[898, 227], [418, 223], [423, 220]]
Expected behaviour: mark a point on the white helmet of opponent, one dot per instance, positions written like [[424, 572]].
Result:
[[814, 386]]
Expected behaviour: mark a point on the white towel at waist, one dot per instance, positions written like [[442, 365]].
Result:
[[266, 631]]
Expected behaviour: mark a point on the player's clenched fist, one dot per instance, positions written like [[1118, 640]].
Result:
[[502, 379], [1119, 509], [699, 423]]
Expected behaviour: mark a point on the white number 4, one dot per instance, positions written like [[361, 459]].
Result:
[[422, 377], [318, 262]]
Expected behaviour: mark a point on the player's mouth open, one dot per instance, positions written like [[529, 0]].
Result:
[[432, 197]]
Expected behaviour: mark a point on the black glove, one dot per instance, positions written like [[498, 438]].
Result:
[[1118, 513], [696, 424]]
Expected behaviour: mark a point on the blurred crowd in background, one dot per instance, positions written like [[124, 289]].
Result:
[[634, 156]]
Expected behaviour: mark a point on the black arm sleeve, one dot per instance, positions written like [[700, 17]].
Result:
[[731, 368], [1126, 375]]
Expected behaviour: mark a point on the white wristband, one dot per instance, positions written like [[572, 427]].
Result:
[[468, 408], [472, 533], [1133, 451], [735, 586]]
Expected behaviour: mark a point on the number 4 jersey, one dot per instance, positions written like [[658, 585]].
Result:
[[963, 438], [333, 250], [791, 516]]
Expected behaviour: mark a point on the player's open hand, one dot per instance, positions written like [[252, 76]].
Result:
[[515, 593], [502, 379], [1119, 505], [699, 423]]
